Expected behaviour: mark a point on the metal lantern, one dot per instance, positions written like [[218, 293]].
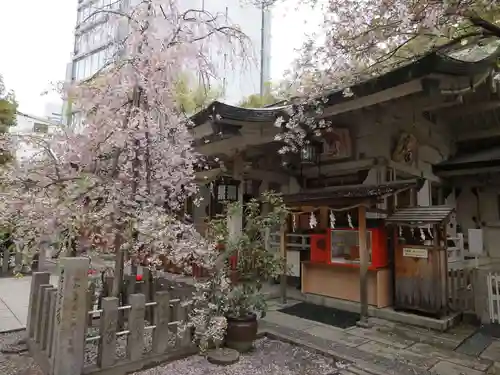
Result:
[[227, 189], [310, 153]]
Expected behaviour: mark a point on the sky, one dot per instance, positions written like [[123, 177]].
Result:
[[37, 41]]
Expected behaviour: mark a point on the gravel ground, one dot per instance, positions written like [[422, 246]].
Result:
[[91, 348], [13, 363], [270, 357]]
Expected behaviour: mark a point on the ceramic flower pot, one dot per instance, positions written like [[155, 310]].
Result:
[[241, 332]]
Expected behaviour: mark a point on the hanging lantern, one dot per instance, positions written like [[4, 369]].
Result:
[[310, 153], [227, 189]]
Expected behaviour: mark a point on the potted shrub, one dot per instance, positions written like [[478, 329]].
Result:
[[249, 263], [207, 319]]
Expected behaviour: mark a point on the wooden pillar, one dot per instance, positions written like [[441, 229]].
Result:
[[413, 197], [283, 281], [363, 267], [441, 198]]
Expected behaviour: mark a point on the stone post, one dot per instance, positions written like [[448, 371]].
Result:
[[37, 279], [481, 295], [70, 317]]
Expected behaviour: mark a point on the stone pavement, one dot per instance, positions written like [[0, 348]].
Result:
[[14, 298], [386, 348]]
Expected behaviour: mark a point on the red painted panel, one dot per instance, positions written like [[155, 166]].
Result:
[[320, 248]]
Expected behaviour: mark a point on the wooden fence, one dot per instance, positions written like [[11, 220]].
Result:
[[493, 295], [136, 330], [461, 290]]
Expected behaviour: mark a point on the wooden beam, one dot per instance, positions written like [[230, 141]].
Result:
[[377, 210], [363, 267], [230, 146], [273, 176], [469, 172], [283, 279], [378, 97], [444, 103], [469, 109], [412, 171], [341, 167], [471, 134]]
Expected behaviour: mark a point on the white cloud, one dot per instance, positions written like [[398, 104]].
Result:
[[291, 22], [37, 40]]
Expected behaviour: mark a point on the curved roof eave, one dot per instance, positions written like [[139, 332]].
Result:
[[226, 111], [436, 62]]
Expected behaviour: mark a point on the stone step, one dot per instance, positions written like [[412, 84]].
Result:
[[388, 338], [448, 368], [354, 371], [396, 354], [371, 363], [475, 344], [460, 359], [446, 340]]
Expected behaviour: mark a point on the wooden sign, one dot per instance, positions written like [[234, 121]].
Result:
[[415, 253], [337, 144]]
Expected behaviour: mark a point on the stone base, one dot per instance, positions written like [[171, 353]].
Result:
[[223, 356], [363, 323]]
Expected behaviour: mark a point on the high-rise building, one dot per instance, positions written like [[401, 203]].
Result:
[[242, 79], [53, 112], [94, 47]]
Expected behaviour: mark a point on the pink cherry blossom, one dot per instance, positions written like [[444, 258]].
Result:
[[119, 182], [356, 40]]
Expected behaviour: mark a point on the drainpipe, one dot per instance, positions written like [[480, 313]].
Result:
[[262, 39]]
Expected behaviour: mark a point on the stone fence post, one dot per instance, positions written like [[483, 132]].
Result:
[[481, 295], [70, 317]]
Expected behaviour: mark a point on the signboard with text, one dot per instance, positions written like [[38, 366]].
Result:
[[415, 252]]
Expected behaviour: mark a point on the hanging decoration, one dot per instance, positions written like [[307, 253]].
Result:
[[332, 219], [400, 231], [422, 235], [412, 231], [294, 223], [429, 232], [312, 221], [349, 220]]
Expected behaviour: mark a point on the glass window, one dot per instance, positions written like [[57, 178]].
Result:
[[94, 63], [89, 65], [86, 13], [87, 68], [345, 246], [78, 42], [40, 128]]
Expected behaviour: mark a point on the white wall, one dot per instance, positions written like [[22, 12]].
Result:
[[488, 207], [25, 126]]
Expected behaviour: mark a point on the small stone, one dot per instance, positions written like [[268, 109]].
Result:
[[223, 356]]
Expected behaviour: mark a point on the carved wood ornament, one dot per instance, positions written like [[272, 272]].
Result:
[[406, 149]]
